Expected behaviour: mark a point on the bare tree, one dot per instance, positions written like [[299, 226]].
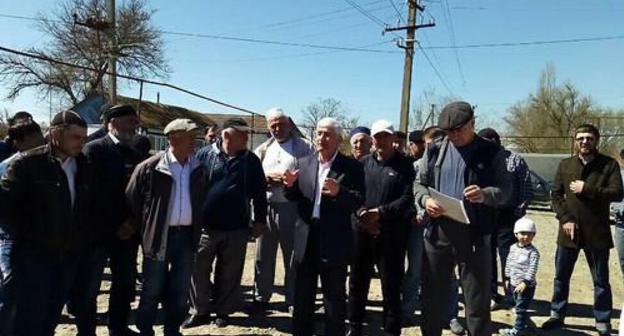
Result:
[[78, 37], [546, 119], [421, 115], [328, 107]]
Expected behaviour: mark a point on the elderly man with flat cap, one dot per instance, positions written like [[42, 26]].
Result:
[[360, 141], [469, 168], [165, 194], [113, 160], [236, 181], [47, 194]]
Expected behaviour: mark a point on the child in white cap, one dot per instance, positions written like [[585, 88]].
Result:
[[521, 269]]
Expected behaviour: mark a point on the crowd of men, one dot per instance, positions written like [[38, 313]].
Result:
[[69, 208]]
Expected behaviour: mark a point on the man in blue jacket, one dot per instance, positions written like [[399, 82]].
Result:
[[235, 181]]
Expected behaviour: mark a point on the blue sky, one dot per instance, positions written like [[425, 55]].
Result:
[[259, 76]]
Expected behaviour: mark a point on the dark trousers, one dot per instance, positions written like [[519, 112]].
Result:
[[43, 280], [169, 281], [598, 261], [227, 250], [333, 278], [84, 292], [522, 301], [387, 251], [453, 245], [122, 255], [7, 284], [502, 239]]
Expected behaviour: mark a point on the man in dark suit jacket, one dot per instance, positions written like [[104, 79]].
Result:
[[113, 160], [583, 188], [328, 187]]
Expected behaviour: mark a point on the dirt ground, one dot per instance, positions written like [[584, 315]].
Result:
[[580, 321]]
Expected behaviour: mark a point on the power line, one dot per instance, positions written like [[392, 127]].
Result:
[[318, 15], [366, 13], [529, 43], [397, 11], [279, 43], [137, 79], [294, 44], [435, 70], [451, 25], [300, 55]]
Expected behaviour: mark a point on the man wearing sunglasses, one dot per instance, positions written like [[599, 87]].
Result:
[[584, 186]]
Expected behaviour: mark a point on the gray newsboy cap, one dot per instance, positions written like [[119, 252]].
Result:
[[180, 125], [455, 115]]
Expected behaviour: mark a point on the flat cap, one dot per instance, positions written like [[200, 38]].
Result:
[[118, 111], [358, 130], [67, 118], [455, 115], [180, 125], [238, 124], [416, 136]]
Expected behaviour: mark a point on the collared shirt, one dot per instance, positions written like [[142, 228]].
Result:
[[278, 158], [114, 138], [70, 168], [323, 171], [179, 211]]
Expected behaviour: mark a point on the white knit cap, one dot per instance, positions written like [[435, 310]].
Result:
[[525, 224]]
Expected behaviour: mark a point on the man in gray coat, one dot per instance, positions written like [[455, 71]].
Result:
[[278, 154]]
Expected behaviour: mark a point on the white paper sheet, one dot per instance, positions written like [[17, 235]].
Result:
[[453, 207]]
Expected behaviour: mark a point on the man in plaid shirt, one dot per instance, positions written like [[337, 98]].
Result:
[[503, 237]]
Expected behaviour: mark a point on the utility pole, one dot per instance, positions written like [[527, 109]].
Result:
[[112, 57], [411, 28]]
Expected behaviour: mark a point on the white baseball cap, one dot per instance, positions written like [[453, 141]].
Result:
[[380, 126], [525, 224]]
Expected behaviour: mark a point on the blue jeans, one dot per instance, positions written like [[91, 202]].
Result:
[[7, 284], [522, 301], [598, 260], [619, 244], [43, 280], [411, 280], [168, 281]]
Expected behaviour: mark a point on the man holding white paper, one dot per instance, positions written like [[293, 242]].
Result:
[[468, 168]]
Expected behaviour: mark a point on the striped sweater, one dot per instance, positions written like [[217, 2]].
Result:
[[522, 264]]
